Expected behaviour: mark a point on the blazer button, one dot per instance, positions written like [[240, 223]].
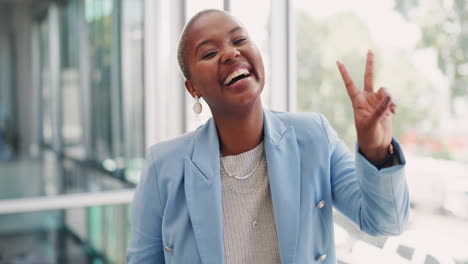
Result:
[[322, 257], [168, 249], [320, 204]]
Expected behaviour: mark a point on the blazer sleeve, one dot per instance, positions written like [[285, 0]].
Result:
[[376, 200], [146, 219]]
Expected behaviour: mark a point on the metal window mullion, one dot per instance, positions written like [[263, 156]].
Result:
[[133, 115], [116, 97], [56, 93], [54, 60], [279, 55], [227, 5], [36, 88], [178, 11], [151, 21], [85, 80], [127, 95], [291, 57]]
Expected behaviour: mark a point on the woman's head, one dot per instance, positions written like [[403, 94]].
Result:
[[220, 62]]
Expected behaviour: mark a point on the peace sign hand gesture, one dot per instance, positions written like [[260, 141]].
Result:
[[372, 113]]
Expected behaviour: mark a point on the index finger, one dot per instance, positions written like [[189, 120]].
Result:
[[369, 75], [348, 81]]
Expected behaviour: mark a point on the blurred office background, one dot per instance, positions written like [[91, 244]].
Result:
[[87, 85]]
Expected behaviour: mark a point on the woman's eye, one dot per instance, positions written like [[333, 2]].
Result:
[[239, 41], [209, 55]]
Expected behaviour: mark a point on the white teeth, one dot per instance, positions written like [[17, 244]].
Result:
[[235, 74]]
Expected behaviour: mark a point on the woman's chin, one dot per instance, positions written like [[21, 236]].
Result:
[[248, 98]]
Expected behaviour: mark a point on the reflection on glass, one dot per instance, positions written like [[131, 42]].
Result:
[[102, 39], [99, 19], [420, 58], [8, 122], [46, 89], [72, 130], [133, 87], [37, 231]]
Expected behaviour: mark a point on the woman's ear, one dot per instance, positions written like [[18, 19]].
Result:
[[191, 88]]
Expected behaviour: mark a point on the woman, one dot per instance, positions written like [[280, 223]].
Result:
[[257, 186]]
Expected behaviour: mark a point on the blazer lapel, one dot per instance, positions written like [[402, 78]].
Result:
[[283, 161], [203, 188], [203, 192]]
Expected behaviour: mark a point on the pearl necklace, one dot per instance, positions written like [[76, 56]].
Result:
[[248, 174]]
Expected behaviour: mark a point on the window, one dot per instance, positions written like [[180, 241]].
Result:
[[421, 57], [72, 129], [133, 104], [105, 126]]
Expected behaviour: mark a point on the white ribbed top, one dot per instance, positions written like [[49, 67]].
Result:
[[245, 202]]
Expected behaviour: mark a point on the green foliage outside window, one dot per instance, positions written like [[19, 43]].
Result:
[[346, 37]]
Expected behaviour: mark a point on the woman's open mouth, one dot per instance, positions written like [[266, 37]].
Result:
[[236, 76]]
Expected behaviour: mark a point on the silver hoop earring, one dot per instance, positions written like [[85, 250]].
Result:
[[197, 106]]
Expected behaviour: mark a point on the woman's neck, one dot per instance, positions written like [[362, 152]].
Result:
[[240, 133]]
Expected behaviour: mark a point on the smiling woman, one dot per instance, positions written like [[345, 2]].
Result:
[[227, 42], [253, 185]]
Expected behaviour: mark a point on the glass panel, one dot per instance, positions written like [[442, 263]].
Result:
[[112, 32], [112, 236], [50, 176], [39, 238], [133, 87], [72, 129], [116, 223], [95, 222], [421, 54], [46, 88], [99, 18], [54, 177], [8, 128]]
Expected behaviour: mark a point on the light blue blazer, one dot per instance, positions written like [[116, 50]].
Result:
[[177, 212]]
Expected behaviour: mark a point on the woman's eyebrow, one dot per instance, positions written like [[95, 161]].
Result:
[[235, 29], [201, 44], [209, 40]]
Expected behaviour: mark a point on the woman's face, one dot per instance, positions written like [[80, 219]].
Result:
[[225, 65]]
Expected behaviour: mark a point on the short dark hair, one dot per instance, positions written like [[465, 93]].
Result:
[[183, 38]]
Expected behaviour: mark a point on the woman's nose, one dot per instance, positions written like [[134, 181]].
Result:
[[229, 54]]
